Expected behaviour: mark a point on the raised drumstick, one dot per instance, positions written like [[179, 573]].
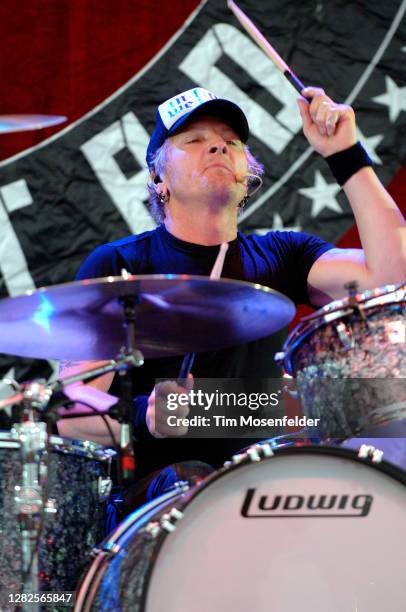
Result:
[[265, 46]]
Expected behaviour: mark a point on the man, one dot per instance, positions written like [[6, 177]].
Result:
[[200, 173]]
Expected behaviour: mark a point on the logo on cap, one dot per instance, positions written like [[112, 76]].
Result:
[[175, 108]]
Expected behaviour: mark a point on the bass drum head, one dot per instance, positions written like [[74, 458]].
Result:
[[308, 529]]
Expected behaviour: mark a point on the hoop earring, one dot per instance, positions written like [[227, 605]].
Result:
[[244, 201], [163, 198]]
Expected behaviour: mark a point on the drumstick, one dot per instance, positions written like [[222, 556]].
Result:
[[189, 358], [265, 46]]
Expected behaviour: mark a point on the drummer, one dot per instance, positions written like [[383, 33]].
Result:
[[201, 175]]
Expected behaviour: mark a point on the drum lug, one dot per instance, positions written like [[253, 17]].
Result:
[[279, 358], [104, 486], [260, 451], [256, 452], [51, 506], [167, 522], [345, 336], [288, 387], [367, 451], [182, 485], [153, 529], [237, 458]]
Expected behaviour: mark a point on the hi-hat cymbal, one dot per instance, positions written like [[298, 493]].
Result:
[[22, 123], [174, 315]]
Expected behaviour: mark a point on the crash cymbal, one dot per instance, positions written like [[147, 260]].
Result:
[[174, 315], [22, 123]]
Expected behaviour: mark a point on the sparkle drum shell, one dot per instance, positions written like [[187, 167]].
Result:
[[310, 528], [349, 361], [77, 473]]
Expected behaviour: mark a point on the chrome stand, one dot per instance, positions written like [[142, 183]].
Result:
[[29, 495]]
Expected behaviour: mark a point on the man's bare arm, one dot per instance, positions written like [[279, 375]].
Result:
[[330, 128]]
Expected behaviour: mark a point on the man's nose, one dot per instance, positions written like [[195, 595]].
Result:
[[218, 147]]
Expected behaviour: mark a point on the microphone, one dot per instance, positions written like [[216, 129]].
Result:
[[253, 182]]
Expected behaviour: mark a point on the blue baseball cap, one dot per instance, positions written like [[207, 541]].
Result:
[[176, 111]]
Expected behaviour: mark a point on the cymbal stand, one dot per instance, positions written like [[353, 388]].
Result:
[[29, 502], [124, 408]]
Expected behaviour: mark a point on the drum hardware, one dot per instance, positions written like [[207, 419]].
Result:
[[38, 399], [58, 547], [354, 299], [367, 451], [153, 529], [51, 506], [124, 408], [288, 380], [258, 451], [108, 550], [181, 485], [104, 486], [29, 497], [347, 340], [254, 453], [167, 522], [237, 458]]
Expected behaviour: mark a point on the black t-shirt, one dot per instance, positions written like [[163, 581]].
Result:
[[280, 260]]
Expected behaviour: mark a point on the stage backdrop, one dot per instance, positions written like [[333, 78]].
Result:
[[107, 65]]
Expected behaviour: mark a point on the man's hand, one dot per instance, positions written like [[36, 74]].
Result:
[[329, 127], [158, 413]]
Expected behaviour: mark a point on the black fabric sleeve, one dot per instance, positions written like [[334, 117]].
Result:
[[295, 253]]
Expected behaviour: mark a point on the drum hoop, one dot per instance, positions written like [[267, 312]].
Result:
[[390, 295], [376, 297], [67, 446]]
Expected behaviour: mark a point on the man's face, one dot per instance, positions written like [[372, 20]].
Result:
[[206, 160]]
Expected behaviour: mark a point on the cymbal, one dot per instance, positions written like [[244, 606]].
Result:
[[22, 123], [175, 315]]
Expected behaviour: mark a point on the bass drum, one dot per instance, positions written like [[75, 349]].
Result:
[[298, 528]]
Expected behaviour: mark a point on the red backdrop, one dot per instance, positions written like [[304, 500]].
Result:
[[65, 57]]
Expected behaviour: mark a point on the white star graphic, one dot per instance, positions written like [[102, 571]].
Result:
[[394, 98], [277, 225], [371, 143], [323, 195]]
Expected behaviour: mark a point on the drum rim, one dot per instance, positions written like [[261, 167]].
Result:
[[68, 446], [382, 296]]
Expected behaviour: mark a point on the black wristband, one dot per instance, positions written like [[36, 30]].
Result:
[[346, 163]]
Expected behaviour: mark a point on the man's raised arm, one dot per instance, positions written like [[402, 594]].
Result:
[[330, 129]]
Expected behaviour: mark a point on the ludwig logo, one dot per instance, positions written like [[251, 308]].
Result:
[[256, 505]]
